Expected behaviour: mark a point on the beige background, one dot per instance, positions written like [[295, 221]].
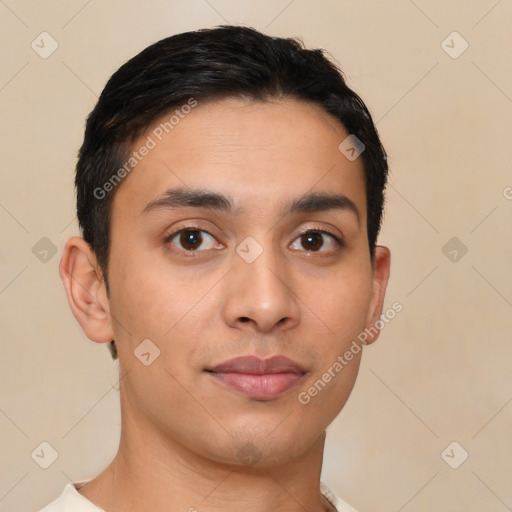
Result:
[[441, 371]]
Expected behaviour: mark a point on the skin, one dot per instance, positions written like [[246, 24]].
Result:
[[181, 429]]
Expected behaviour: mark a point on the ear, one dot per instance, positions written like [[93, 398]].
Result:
[[381, 266], [85, 290]]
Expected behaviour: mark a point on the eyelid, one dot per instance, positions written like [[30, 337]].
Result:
[[188, 227], [316, 226], [339, 240]]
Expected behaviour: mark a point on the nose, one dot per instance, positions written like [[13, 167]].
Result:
[[260, 294]]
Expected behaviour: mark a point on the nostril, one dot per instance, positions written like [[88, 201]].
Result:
[[244, 319]]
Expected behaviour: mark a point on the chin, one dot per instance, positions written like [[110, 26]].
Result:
[[269, 444]]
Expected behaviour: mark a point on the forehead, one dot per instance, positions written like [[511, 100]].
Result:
[[256, 152]]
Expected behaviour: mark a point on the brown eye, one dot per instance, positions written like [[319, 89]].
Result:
[[317, 240], [312, 241], [191, 240]]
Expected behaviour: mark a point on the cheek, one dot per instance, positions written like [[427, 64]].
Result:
[[135, 300], [141, 288], [342, 307], [166, 306], [338, 355], [342, 303], [327, 392]]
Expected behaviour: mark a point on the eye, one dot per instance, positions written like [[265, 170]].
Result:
[[317, 240], [190, 239]]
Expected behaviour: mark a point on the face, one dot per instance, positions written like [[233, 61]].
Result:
[[241, 233]]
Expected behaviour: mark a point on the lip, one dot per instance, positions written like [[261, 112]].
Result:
[[260, 379]]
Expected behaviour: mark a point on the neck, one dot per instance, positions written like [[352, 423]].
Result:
[[153, 472]]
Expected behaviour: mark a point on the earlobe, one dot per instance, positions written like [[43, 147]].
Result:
[[85, 290], [381, 267]]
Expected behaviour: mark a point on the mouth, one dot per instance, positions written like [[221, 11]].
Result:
[[259, 379]]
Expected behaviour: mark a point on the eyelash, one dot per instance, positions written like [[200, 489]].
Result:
[[339, 242]]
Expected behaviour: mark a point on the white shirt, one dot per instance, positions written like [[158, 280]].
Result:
[[72, 501]]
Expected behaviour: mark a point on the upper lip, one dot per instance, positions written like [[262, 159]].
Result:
[[255, 365]]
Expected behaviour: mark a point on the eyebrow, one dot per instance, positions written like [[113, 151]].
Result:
[[310, 202]]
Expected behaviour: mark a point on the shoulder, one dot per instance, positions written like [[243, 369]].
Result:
[[71, 500], [336, 501]]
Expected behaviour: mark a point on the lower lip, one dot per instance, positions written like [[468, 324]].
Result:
[[259, 386]]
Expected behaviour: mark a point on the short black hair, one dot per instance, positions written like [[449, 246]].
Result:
[[204, 65]]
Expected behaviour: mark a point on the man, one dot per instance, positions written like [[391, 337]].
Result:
[[230, 193]]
